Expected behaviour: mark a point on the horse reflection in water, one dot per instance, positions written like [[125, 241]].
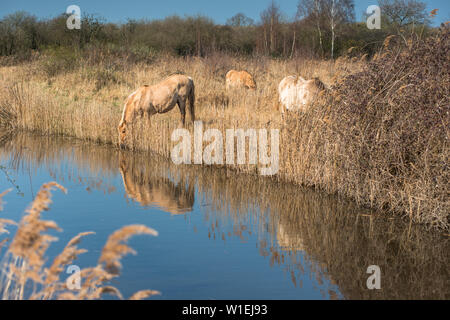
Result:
[[155, 191]]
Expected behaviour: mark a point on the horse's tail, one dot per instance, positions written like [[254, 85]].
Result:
[[191, 98]]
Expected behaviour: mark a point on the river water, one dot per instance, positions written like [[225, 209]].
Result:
[[221, 235]]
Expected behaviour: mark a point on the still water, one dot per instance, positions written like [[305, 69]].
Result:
[[221, 235]]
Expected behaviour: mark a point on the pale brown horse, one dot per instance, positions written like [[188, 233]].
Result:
[[241, 79], [297, 94], [159, 98]]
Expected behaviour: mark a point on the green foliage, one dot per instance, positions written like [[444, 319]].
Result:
[[59, 59]]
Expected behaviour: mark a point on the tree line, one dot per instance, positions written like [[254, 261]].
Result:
[[319, 28]]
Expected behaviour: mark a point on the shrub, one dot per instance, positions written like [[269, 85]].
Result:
[[391, 125], [59, 60]]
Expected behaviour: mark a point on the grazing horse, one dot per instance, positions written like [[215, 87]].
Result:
[[240, 79], [159, 98], [296, 93], [153, 190]]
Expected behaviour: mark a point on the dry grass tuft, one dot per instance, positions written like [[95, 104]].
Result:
[[24, 262], [115, 248], [65, 258], [389, 145], [30, 243], [140, 295]]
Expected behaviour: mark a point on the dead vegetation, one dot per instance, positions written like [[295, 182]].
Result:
[[381, 137], [23, 271]]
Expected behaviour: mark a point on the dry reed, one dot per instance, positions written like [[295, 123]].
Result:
[[24, 263]]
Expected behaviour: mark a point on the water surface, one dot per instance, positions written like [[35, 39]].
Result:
[[221, 235]]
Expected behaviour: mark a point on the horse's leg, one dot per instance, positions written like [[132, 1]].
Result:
[[182, 106], [191, 99], [282, 109], [192, 111]]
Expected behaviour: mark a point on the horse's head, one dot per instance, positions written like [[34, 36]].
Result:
[[249, 82], [122, 133], [251, 85]]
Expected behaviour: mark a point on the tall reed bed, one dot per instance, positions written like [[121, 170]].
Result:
[[379, 137]]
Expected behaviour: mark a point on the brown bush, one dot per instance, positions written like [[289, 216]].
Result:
[[385, 141]]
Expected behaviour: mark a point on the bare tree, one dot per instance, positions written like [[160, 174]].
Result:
[[294, 37], [402, 14], [240, 20], [313, 9], [332, 13], [17, 33], [338, 12], [270, 19]]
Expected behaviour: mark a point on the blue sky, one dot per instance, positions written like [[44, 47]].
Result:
[[220, 11]]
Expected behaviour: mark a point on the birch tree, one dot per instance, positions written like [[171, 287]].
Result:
[[327, 15], [313, 9], [338, 12]]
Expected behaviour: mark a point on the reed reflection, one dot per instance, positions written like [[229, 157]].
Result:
[[302, 231]]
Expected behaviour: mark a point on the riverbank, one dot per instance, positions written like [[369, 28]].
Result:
[[380, 138]]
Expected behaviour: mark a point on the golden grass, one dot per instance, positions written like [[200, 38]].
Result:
[[114, 249], [315, 148], [71, 103], [23, 263]]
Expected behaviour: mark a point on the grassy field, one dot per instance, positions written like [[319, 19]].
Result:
[[380, 137]]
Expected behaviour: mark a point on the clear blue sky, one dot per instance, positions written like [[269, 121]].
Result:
[[219, 11]]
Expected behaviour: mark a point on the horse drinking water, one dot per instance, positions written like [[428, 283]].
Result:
[[158, 98]]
